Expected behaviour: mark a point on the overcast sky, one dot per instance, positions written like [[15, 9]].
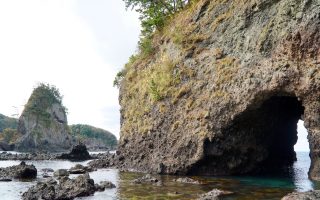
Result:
[[76, 45]]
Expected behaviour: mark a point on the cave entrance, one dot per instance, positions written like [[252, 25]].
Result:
[[258, 141]]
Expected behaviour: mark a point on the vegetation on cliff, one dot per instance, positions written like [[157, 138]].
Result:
[[83, 132], [8, 129], [42, 98], [155, 17], [9, 135], [7, 122]]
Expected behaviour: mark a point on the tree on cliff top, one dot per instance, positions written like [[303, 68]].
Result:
[[42, 97], [153, 13]]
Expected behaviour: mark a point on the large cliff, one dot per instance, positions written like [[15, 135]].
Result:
[[223, 89], [43, 123]]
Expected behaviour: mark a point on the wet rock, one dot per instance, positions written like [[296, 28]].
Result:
[[147, 179], [105, 161], [78, 153], [80, 169], [21, 171], [47, 170], [61, 172], [99, 188], [80, 186], [214, 194], [6, 147], [104, 185], [107, 184], [28, 156], [310, 195], [187, 180], [5, 179]]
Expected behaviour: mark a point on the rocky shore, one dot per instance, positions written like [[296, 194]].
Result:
[[77, 153], [65, 188], [21, 171]]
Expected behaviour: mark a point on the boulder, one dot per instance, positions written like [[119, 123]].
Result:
[[310, 195], [21, 171], [104, 185], [66, 189], [107, 184], [61, 172], [79, 169], [78, 153]]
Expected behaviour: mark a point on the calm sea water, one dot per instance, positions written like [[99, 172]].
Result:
[[244, 188]]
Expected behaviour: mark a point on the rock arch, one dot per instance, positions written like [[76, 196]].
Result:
[[259, 140]]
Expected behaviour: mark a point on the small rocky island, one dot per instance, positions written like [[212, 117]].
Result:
[[43, 127]]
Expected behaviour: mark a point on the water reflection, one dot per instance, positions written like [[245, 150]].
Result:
[[244, 188], [300, 172]]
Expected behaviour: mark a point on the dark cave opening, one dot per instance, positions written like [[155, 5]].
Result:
[[259, 141]]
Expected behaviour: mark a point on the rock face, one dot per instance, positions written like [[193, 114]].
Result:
[[4, 146], [67, 188], [224, 89], [311, 195], [43, 122], [21, 171]]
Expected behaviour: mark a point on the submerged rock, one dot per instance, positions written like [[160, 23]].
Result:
[[147, 179], [187, 180], [310, 195], [78, 153], [21, 171], [214, 194]]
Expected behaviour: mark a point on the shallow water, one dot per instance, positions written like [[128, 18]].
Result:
[[244, 188]]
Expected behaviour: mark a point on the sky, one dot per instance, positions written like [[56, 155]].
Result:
[[76, 45]]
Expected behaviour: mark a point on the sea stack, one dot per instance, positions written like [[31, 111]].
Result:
[[43, 123]]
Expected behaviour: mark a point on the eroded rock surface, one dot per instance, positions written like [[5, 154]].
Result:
[[21, 171], [310, 195], [66, 188], [224, 89], [43, 123]]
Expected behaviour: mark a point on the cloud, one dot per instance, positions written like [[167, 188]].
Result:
[[50, 41]]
